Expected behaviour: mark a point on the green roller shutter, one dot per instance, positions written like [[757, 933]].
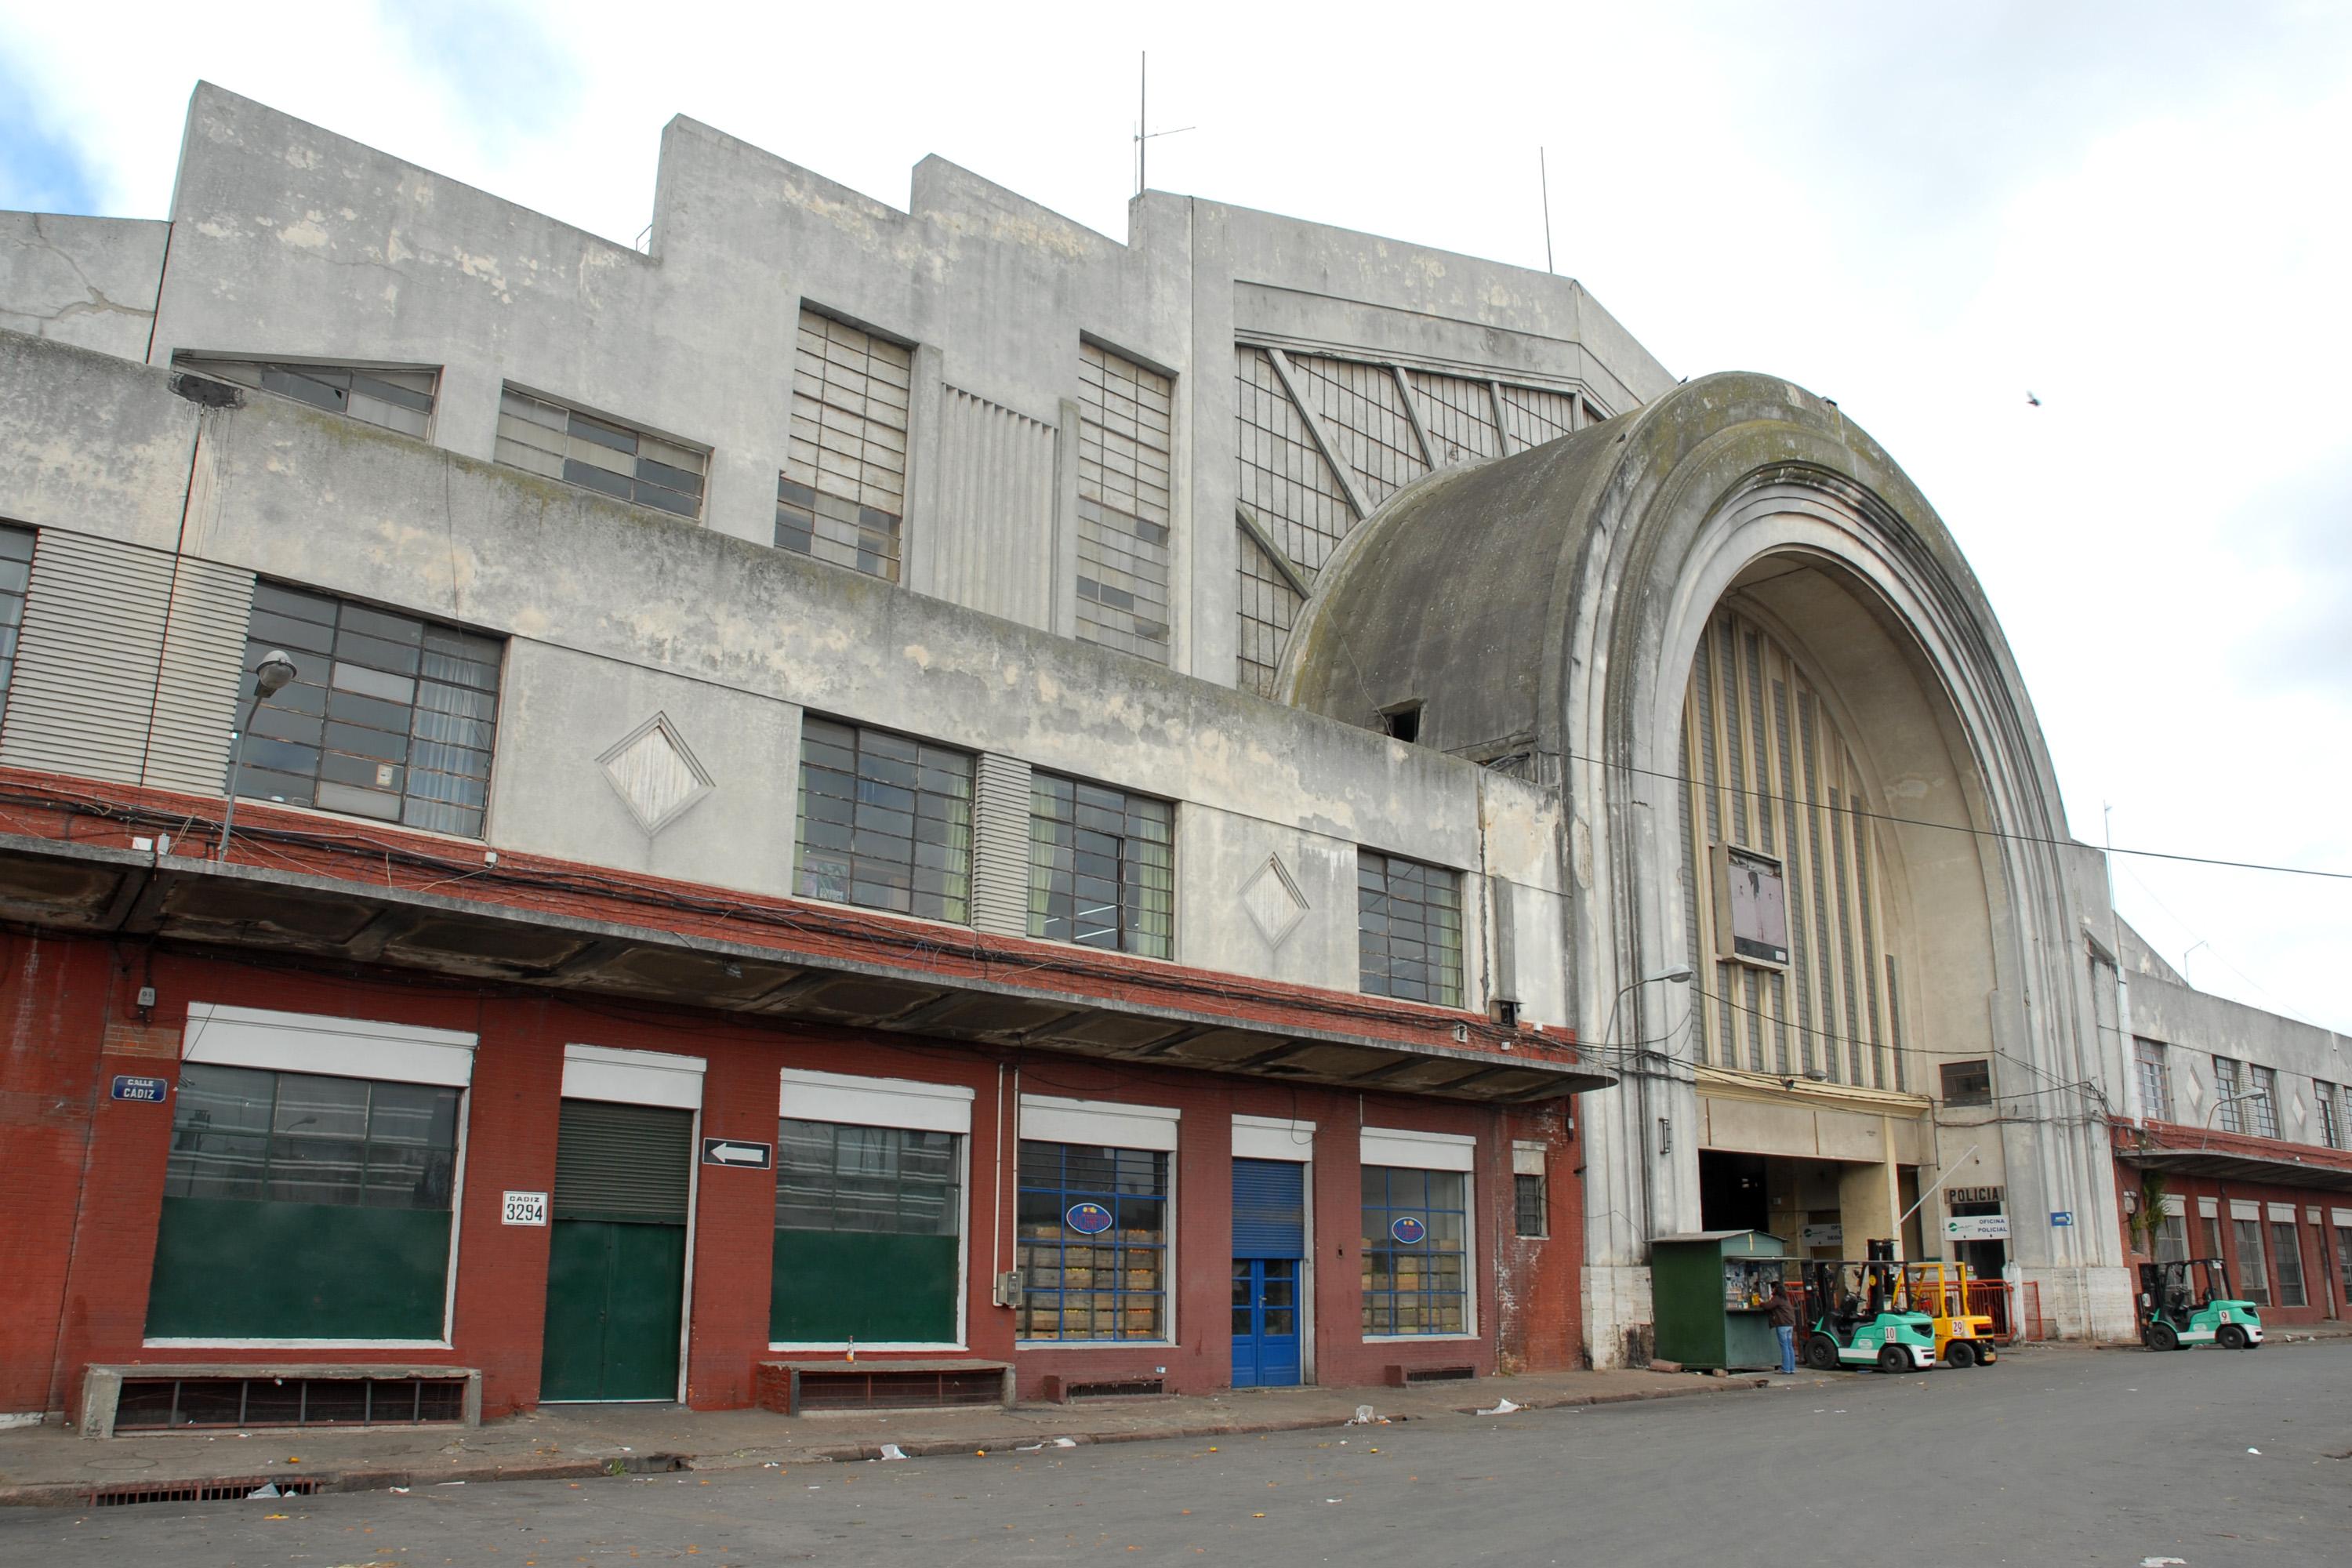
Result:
[[629, 1163]]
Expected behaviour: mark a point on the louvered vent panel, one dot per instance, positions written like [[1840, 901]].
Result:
[[203, 674], [992, 548], [85, 677], [623, 1161], [1000, 882]]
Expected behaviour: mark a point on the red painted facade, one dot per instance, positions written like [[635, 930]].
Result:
[[2325, 1288], [87, 1174]]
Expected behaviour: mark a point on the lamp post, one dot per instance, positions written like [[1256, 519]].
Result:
[[1680, 974], [269, 678], [2226, 1099]]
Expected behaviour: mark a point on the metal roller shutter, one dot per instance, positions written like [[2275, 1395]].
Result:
[[1269, 1209], [624, 1163]]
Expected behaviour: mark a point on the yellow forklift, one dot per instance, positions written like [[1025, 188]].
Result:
[[1940, 1289]]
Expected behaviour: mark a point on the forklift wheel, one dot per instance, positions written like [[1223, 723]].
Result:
[[1821, 1354], [2163, 1337], [2230, 1337], [1894, 1357], [1986, 1354], [1958, 1354]]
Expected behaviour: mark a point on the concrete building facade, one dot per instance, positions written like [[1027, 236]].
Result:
[[915, 776]]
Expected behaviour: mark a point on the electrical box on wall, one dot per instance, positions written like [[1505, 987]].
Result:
[[1751, 908], [1008, 1288]]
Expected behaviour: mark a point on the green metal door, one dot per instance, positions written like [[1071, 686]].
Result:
[[616, 1253]]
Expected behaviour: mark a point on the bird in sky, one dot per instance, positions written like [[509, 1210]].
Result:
[[2034, 400]]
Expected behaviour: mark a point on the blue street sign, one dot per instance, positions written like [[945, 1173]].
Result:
[[1407, 1229], [2062, 1217], [1088, 1219], [146, 1090]]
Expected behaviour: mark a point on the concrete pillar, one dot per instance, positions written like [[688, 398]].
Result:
[[1869, 1200]]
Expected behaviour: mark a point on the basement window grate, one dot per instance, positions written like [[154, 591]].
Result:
[[201, 1492], [900, 1390], [1440, 1375], [1131, 1388], [182, 1404]]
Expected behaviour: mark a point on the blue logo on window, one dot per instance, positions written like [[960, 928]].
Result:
[[1407, 1229], [1088, 1219]]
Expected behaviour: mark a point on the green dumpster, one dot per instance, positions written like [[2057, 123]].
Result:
[[1710, 1290]]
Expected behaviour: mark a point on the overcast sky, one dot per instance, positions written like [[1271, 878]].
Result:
[[2140, 213]]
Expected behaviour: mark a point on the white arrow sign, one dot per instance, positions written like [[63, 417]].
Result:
[[729, 1152]]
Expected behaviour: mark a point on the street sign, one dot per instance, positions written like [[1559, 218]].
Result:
[[1977, 1228], [737, 1151], [2062, 1217], [525, 1208], [144, 1090]]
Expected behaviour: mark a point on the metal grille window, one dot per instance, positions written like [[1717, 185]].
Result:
[[15, 573], [392, 399], [1363, 408], [1267, 606], [1460, 414], [1093, 1243], [884, 1180], [1408, 929], [2264, 1104], [2155, 1081], [885, 821], [1534, 415], [2229, 1099], [1967, 1083], [1102, 867], [1125, 416], [388, 716], [1530, 1210], [282, 1137], [601, 454], [2331, 1114], [843, 489], [1415, 1247]]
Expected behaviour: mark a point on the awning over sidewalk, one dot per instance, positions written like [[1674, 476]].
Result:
[[2233, 1165], [573, 928]]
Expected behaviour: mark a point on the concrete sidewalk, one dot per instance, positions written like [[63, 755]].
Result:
[[51, 1466]]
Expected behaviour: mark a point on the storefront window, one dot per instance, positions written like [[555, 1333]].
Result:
[[1093, 1242], [2254, 1281], [1416, 1243], [302, 1206], [868, 1226]]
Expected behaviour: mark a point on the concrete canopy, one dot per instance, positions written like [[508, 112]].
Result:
[[1543, 609]]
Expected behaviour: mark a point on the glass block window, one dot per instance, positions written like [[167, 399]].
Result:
[[1409, 929], [1530, 1211], [1092, 1240], [885, 821], [15, 573], [398, 400], [1534, 415], [2229, 1086], [282, 1137], [2155, 1081], [1102, 867], [388, 716], [601, 454], [2264, 1121], [1125, 416], [1415, 1251], [844, 487]]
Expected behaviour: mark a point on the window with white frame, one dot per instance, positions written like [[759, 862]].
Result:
[[301, 1205], [1094, 1226], [556, 441], [1530, 1199], [392, 399], [1416, 1234], [2155, 1081], [843, 490]]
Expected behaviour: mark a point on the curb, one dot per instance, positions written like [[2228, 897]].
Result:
[[368, 1477]]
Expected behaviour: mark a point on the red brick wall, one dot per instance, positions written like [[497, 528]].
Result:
[[75, 1292]]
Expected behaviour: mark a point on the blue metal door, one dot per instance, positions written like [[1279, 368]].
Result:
[[1269, 1241]]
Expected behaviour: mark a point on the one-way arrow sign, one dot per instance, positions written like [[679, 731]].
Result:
[[740, 1151]]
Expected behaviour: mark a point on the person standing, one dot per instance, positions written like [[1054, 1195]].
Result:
[[1782, 1313]]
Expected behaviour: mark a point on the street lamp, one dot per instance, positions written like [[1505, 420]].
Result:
[[1679, 975], [269, 678]]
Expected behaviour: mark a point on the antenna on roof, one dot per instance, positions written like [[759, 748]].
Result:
[[1543, 176], [1144, 134]]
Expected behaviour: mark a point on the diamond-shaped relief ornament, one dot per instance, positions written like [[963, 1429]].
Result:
[[1273, 902], [655, 774]]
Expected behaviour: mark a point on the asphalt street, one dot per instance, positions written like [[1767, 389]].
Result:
[[2052, 1458]]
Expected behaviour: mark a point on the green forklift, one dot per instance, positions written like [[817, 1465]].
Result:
[[1856, 1321], [2187, 1302]]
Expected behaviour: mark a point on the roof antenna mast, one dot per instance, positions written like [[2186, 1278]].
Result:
[[1543, 178], [1144, 134]]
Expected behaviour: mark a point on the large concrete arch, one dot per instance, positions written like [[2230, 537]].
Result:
[[1548, 606]]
